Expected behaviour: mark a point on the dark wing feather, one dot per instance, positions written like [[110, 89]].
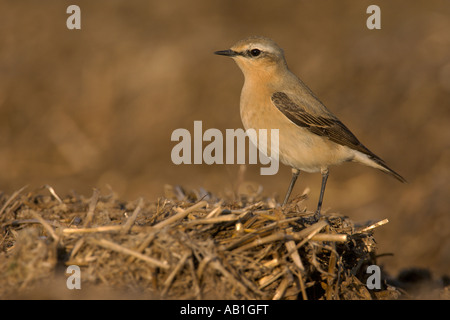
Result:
[[330, 128]]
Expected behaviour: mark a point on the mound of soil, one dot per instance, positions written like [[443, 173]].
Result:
[[187, 245]]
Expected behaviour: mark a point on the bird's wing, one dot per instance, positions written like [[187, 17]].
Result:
[[329, 127], [326, 125]]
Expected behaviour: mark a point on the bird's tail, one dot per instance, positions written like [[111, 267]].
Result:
[[378, 163], [384, 168]]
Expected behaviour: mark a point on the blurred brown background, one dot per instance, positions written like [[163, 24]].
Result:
[[97, 106]]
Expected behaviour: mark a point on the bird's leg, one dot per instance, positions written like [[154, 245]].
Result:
[[295, 173], [324, 173]]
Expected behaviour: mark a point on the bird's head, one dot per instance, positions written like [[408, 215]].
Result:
[[256, 55]]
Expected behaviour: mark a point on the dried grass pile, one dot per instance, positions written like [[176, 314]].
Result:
[[185, 246]]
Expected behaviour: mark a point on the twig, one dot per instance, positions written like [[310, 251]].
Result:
[[15, 223], [13, 196], [302, 284], [241, 287], [52, 191], [310, 232], [329, 237], [172, 275], [198, 291], [304, 235], [45, 225], [118, 248], [265, 281], [331, 272], [180, 215], [338, 278], [373, 225], [257, 233], [281, 290], [102, 229], [216, 211], [220, 219], [271, 238], [130, 221], [290, 246], [92, 205], [145, 243], [76, 248]]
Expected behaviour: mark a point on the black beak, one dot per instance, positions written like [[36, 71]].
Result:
[[228, 53]]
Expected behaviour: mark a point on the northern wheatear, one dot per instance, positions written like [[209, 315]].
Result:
[[311, 138]]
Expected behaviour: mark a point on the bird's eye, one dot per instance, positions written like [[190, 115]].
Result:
[[255, 52]]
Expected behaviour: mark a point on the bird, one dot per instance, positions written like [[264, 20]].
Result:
[[311, 137]]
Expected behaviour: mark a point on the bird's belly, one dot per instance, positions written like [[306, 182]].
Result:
[[306, 151], [297, 147]]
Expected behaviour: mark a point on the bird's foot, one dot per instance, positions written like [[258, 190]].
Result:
[[317, 216]]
